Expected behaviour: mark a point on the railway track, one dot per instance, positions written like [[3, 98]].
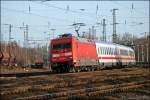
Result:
[[25, 74], [89, 92], [76, 85]]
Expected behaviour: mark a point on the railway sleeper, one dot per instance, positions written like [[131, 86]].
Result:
[[48, 87], [84, 93], [99, 91], [114, 90]]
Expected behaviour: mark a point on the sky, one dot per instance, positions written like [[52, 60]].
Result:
[[41, 17]]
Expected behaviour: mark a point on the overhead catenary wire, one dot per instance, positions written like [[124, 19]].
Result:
[[132, 7], [45, 17], [63, 9], [85, 13]]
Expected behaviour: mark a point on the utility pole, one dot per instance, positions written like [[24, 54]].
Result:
[[143, 54], [89, 36], [27, 44], [138, 49], [147, 53], [53, 30], [1, 54], [104, 30], [25, 28], [9, 43], [93, 33], [114, 26]]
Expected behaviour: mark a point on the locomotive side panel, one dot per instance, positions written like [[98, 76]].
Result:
[[86, 53], [74, 52]]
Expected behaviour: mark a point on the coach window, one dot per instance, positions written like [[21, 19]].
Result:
[[121, 52], [99, 50], [114, 51], [110, 51], [105, 50]]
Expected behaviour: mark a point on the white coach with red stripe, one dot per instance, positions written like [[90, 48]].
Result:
[[113, 54]]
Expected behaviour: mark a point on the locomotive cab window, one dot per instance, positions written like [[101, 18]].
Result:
[[67, 45], [56, 46], [61, 46]]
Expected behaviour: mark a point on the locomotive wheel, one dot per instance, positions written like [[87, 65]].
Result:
[[72, 69], [89, 69], [77, 69]]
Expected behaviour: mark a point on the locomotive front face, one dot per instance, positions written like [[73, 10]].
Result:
[[61, 53]]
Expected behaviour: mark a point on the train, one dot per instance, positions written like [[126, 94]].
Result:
[[68, 53]]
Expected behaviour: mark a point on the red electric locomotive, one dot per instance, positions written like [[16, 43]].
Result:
[[69, 54]]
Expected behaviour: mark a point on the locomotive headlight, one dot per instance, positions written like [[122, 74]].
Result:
[[68, 54], [56, 55]]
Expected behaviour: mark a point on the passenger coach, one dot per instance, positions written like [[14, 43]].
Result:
[[70, 54]]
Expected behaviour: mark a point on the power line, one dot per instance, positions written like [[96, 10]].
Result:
[[73, 11], [45, 17], [126, 7]]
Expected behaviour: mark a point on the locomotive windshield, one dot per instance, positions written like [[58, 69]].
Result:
[[61, 46], [57, 46]]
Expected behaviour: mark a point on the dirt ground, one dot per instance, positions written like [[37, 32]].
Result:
[[19, 69]]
